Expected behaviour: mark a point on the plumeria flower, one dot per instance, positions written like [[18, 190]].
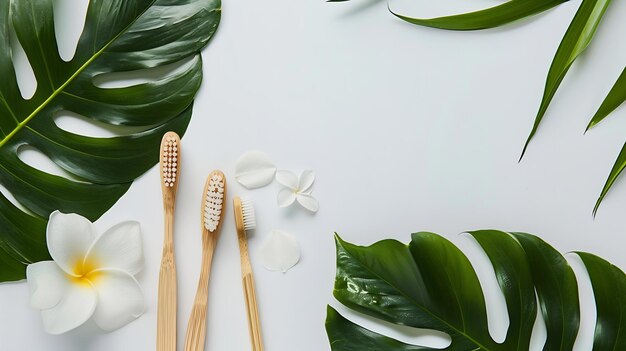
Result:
[[90, 275], [297, 189]]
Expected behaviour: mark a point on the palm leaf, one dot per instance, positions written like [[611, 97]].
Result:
[[617, 169], [507, 12], [119, 36], [616, 97], [576, 40], [431, 284]]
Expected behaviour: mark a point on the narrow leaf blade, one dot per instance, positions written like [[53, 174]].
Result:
[[613, 100], [617, 169], [576, 40], [489, 18]]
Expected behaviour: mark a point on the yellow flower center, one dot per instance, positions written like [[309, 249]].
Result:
[[86, 274]]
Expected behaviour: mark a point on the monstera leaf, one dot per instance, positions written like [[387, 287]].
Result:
[[431, 284], [119, 36]]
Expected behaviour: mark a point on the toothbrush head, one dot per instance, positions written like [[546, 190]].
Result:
[[213, 201], [247, 209], [170, 160], [244, 214]]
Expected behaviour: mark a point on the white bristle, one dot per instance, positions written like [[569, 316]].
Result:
[[169, 160], [247, 211], [214, 202]]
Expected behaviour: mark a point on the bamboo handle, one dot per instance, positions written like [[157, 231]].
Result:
[[196, 329], [254, 325], [166, 310]]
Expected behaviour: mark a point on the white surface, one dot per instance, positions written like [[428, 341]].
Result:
[[407, 129]]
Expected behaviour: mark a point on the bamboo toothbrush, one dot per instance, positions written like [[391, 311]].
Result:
[[212, 213], [245, 220], [166, 314]]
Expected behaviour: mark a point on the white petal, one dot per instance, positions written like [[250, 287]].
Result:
[[306, 181], [76, 307], [254, 169], [46, 282], [288, 179], [120, 300], [119, 247], [308, 202], [69, 236], [286, 197], [280, 251]]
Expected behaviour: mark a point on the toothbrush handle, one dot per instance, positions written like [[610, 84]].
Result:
[[196, 328], [254, 324], [166, 310]]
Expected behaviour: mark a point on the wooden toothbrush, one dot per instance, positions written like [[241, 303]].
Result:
[[245, 220], [166, 310], [212, 214]]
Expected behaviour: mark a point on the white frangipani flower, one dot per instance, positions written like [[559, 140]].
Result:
[[90, 275], [297, 189]]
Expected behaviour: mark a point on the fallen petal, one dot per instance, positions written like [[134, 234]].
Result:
[[74, 309], [308, 202], [120, 300], [288, 179], [46, 282], [280, 251], [286, 197], [254, 169], [69, 236], [119, 247]]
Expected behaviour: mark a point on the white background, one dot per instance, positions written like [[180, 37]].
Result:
[[406, 128]]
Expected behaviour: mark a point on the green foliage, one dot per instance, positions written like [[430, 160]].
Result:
[[431, 284], [119, 36], [489, 18], [616, 97], [577, 38]]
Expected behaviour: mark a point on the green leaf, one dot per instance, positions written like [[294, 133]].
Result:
[[119, 36], [345, 335], [616, 97], [557, 291], [617, 169], [609, 289], [499, 15], [576, 40], [431, 284]]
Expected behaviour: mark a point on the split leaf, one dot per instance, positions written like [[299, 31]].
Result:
[[431, 284], [609, 288], [119, 36]]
